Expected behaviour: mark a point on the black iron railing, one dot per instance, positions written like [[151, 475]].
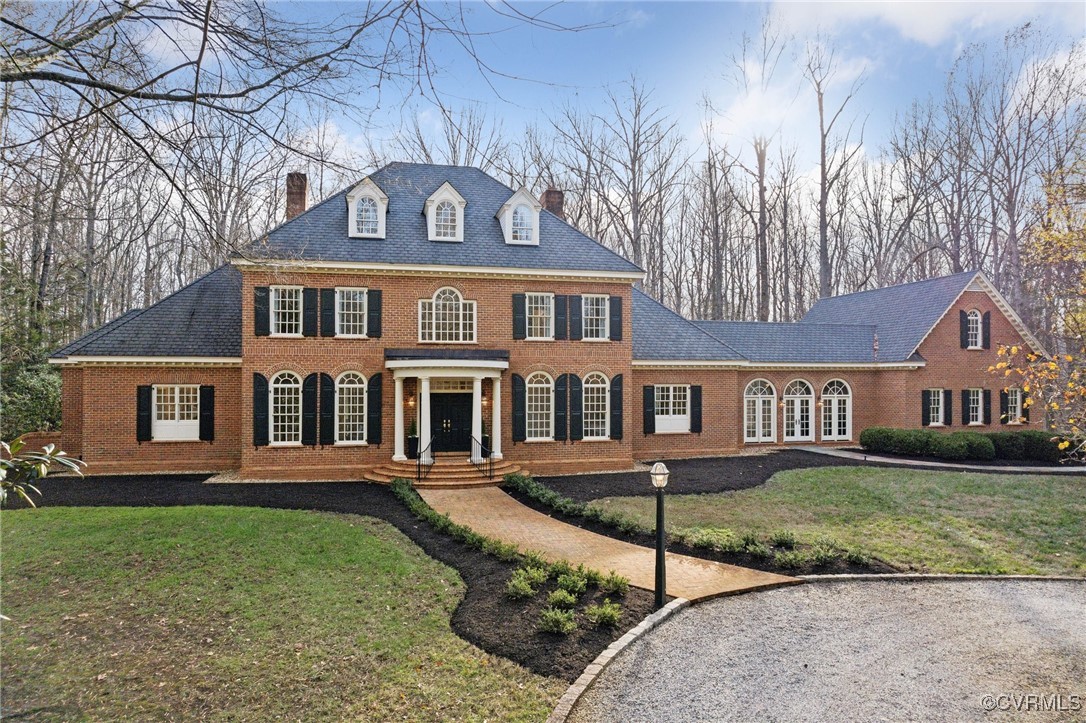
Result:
[[422, 469], [482, 458]]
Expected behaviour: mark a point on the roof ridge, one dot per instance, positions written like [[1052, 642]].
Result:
[[898, 286], [690, 323], [784, 323]]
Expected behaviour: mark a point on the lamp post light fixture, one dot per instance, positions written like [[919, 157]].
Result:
[[659, 475]]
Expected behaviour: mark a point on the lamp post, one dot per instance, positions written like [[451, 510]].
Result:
[[659, 476]]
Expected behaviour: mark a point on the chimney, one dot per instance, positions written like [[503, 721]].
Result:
[[297, 192], [554, 201]]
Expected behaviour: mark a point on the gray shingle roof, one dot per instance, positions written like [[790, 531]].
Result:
[[784, 342], [903, 314], [659, 334], [202, 319], [321, 232]]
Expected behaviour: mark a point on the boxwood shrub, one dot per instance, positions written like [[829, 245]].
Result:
[[977, 445], [1034, 445], [1040, 446], [949, 447], [1008, 445]]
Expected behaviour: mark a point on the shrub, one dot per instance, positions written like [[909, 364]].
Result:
[[558, 622], [30, 398], [534, 574], [823, 554], [614, 584], [949, 447], [915, 442], [1040, 446], [759, 550], [749, 539], [562, 599], [783, 538], [1008, 445], [534, 559], [789, 559], [519, 587], [504, 551], [592, 577], [877, 439], [713, 538], [857, 556], [606, 614], [572, 583], [562, 567], [977, 445]]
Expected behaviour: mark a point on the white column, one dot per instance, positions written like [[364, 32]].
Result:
[[496, 425], [476, 416], [397, 454], [424, 421]]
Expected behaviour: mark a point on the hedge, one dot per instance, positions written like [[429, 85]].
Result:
[[1032, 445]]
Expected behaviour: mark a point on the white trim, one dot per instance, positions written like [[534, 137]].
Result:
[[366, 188], [365, 314], [760, 401], [795, 401], [174, 430], [527, 319], [671, 423], [606, 317], [550, 396], [447, 367], [710, 364], [606, 407], [505, 216], [337, 383], [152, 360], [440, 270], [446, 192], [273, 291]]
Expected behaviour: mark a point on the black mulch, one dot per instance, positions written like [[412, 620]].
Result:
[[485, 617]]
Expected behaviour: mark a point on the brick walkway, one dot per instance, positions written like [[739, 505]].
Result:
[[493, 513]]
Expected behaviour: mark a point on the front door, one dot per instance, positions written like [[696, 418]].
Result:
[[450, 417]]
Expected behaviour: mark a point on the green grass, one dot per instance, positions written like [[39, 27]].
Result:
[[914, 520], [241, 614]]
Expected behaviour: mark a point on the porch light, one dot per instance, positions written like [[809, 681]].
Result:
[[659, 475]]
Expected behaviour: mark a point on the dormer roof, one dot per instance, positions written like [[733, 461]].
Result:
[[522, 196], [445, 191], [367, 187]]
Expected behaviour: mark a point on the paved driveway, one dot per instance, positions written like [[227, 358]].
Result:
[[858, 651]]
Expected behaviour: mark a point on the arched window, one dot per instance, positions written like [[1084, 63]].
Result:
[[445, 220], [596, 407], [351, 408], [973, 330], [837, 411], [286, 408], [759, 412], [798, 408], [447, 317], [540, 406], [365, 218], [523, 225]]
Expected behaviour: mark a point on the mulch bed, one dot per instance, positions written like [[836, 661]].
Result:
[[995, 464], [485, 618]]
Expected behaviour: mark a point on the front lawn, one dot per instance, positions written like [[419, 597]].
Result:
[[240, 613], [912, 519]]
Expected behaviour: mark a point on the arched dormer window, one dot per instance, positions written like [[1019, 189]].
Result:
[[447, 317], [445, 220], [367, 206], [519, 218], [445, 214], [523, 228], [365, 219]]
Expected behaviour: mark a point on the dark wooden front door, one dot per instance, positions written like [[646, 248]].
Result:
[[450, 417]]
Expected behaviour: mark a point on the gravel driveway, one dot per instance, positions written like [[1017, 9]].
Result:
[[862, 650]]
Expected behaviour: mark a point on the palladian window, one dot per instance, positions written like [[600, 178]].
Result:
[[447, 317]]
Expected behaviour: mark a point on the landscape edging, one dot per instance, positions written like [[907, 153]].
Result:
[[934, 576], [573, 694]]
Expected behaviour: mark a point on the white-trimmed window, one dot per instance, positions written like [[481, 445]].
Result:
[[540, 312], [836, 411], [447, 317], [445, 214], [445, 220], [760, 412], [596, 407], [798, 408], [594, 317], [523, 230], [519, 218], [1014, 406], [973, 329], [367, 205], [351, 312], [936, 413], [286, 310], [975, 398], [285, 403], [366, 217], [540, 407], [672, 408], [177, 412], [350, 408]]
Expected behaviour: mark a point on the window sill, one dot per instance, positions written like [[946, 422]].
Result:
[[759, 441], [936, 424], [974, 348], [1017, 424], [595, 340], [284, 444], [976, 424], [539, 338], [596, 439], [350, 336], [792, 440], [175, 441], [461, 343], [351, 444], [674, 431], [538, 441], [277, 335]]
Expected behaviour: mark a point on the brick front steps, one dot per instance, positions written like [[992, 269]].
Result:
[[449, 472]]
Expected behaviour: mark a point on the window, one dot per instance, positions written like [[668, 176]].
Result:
[[836, 411], [540, 309], [596, 407], [365, 218], [286, 409], [759, 412], [594, 317], [350, 408], [351, 312], [445, 220], [976, 411], [447, 317], [523, 224], [798, 405], [519, 218], [1014, 406], [973, 333], [366, 208], [540, 400], [286, 310], [672, 408], [177, 412], [935, 407]]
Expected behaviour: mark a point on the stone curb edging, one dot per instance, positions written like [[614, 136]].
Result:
[[944, 466], [937, 576], [573, 694]]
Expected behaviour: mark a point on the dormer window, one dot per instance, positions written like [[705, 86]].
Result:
[[367, 206], [445, 221], [523, 227], [519, 218], [365, 220], [445, 214]]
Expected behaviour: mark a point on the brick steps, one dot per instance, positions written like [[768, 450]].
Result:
[[448, 472]]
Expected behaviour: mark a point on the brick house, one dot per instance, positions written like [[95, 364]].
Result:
[[432, 312]]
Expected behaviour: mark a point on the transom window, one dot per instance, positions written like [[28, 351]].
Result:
[[177, 412], [798, 405], [976, 412], [366, 216], [974, 329], [540, 308], [596, 407], [447, 317], [759, 412], [540, 407], [672, 408], [351, 312], [350, 408], [286, 310], [836, 411], [286, 409], [594, 317], [523, 226], [1014, 406], [445, 220], [935, 407]]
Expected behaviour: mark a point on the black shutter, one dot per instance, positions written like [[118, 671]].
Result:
[[963, 329], [143, 413], [695, 409], [328, 312], [948, 404], [328, 409], [648, 409], [576, 405], [520, 422], [616, 404], [925, 408], [261, 311], [260, 410], [965, 406], [575, 329], [309, 410], [561, 407], [1004, 404], [207, 413], [986, 400], [1025, 409], [310, 311], [986, 330], [520, 316], [616, 318], [561, 311], [373, 313], [374, 399]]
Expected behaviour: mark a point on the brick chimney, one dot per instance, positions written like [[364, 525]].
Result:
[[297, 193], [554, 201]]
